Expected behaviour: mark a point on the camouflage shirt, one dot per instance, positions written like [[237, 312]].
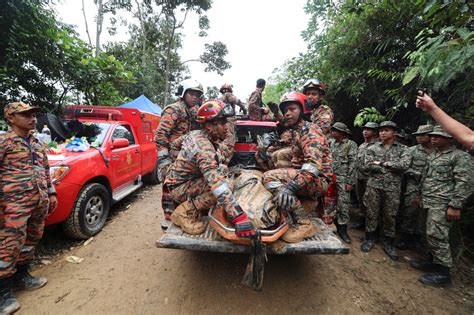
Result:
[[23, 165], [344, 156], [448, 178], [255, 105], [362, 171], [310, 153], [323, 116], [418, 158], [397, 161], [176, 120], [199, 158]]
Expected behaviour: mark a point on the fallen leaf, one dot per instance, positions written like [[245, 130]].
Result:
[[74, 259]]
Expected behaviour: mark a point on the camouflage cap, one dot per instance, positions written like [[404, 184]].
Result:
[[390, 124], [423, 129], [371, 125], [438, 131], [341, 127], [18, 107]]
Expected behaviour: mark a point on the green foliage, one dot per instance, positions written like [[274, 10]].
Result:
[[46, 63], [212, 93], [213, 57], [368, 114]]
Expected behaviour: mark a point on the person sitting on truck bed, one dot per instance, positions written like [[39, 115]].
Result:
[[177, 120], [197, 180], [311, 170]]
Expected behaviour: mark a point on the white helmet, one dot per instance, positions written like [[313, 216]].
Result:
[[189, 84]]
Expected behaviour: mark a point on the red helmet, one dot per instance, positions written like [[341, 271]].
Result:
[[316, 84], [214, 109], [294, 97], [226, 87]]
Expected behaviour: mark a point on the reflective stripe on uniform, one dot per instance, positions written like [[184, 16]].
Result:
[[163, 152], [273, 185], [310, 168], [220, 190], [27, 249]]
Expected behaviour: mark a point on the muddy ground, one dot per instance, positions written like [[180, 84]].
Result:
[[124, 273]]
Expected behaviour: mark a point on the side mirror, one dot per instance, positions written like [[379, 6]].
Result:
[[120, 143]]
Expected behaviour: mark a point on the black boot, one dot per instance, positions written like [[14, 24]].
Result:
[[389, 249], [440, 278], [424, 265], [342, 232], [8, 302], [23, 280], [368, 243]]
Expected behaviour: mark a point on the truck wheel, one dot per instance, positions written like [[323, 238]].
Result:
[[152, 178], [90, 212]]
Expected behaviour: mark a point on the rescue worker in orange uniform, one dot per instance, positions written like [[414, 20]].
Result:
[[311, 170], [198, 180], [26, 196]]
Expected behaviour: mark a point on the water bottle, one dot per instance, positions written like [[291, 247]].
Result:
[[46, 134]]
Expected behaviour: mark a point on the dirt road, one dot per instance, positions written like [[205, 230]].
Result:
[[124, 273]]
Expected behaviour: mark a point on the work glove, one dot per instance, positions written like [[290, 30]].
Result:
[[243, 226], [273, 107], [286, 198]]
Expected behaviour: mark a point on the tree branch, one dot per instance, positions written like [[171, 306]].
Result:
[[87, 26]]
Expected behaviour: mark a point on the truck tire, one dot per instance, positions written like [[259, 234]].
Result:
[[153, 177], [90, 212]]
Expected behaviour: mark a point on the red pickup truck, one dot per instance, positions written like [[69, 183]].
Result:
[[122, 154]]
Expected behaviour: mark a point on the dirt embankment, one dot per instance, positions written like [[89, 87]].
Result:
[[123, 272]]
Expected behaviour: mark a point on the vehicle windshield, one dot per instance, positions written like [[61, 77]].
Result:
[[94, 132], [248, 134]]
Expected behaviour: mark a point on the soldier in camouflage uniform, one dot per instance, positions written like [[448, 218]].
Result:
[[26, 195], [255, 104], [321, 115], [197, 180], [412, 213], [311, 170], [447, 184], [386, 160], [362, 174], [344, 154]]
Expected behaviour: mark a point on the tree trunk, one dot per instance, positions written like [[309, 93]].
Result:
[[100, 20]]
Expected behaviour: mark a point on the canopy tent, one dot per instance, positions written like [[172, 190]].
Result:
[[144, 104]]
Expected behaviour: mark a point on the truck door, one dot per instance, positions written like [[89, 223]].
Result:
[[125, 163]]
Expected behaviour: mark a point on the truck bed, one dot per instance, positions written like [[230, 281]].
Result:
[[324, 242]]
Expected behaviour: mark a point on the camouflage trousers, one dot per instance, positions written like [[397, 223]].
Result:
[[281, 158], [23, 224], [437, 234], [198, 192], [343, 204], [379, 200], [275, 180], [411, 213], [361, 187]]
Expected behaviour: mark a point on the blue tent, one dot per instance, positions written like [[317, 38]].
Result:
[[144, 104]]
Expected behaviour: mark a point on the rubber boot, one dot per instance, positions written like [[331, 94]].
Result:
[[342, 232], [301, 228], [23, 280], [187, 217], [440, 278], [389, 249], [8, 302], [425, 264], [368, 243]]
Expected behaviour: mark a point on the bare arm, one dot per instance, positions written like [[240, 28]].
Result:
[[460, 132]]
